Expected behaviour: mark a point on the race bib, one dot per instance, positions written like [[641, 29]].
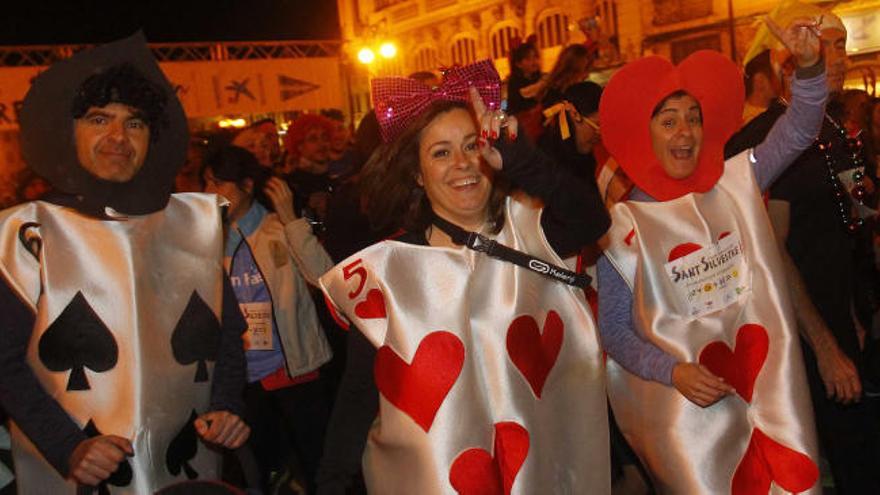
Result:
[[258, 336], [711, 278]]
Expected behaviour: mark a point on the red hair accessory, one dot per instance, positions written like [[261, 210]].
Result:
[[630, 97], [399, 100]]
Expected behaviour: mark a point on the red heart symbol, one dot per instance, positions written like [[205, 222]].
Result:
[[476, 472], [767, 460], [371, 307], [418, 389], [689, 247], [683, 250], [532, 353], [739, 368]]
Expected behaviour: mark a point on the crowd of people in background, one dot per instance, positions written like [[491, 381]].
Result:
[[299, 202]]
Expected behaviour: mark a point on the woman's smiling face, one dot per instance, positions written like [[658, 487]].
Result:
[[677, 135], [451, 170]]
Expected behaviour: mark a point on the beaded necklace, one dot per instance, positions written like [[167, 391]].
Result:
[[858, 192]]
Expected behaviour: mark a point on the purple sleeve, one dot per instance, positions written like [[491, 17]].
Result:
[[618, 334], [795, 130]]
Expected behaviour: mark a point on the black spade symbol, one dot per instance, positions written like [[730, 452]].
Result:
[[78, 339], [196, 337], [182, 449], [28, 235], [123, 474]]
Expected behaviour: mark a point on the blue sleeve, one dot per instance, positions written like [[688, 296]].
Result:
[[795, 130], [618, 334]]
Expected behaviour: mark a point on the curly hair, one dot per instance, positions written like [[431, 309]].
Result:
[[394, 198], [126, 85], [298, 129]]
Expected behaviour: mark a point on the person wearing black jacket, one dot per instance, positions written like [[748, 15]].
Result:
[[815, 209]]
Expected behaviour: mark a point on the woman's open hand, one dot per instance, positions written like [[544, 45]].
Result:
[[699, 385], [801, 38], [282, 199]]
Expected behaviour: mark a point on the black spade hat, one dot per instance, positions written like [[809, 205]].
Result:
[[47, 132]]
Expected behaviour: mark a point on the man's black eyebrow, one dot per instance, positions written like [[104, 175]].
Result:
[[95, 111], [138, 114]]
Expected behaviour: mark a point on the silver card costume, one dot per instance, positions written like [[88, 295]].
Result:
[[120, 343], [122, 283], [708, 287], [490, 376]]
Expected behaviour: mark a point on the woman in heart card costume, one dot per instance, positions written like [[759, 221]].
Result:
[[489, 374], [705, 374]]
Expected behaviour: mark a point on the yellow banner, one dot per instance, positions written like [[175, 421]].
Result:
[[219, 88]]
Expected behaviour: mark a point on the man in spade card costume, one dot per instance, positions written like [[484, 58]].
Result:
[[705, 374], [489, 375], [119, 336]]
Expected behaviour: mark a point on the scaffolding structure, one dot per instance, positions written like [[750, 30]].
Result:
[[43, 55]]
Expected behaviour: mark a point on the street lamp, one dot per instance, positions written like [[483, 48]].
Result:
[[388, 50], [366, 56]]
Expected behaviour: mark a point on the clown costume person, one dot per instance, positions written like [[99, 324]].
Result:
[[489, 374], [705, 374]]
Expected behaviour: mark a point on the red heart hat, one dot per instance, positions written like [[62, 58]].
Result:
[[630, 97]]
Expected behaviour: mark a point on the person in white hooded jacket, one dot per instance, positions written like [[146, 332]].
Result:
[[270, 258]]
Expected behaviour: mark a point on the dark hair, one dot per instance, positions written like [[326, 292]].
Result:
[[564, 73], [389, 180], [367, 139], [519, 53], [235, 164], [334, 114], [675, 94], [126, 85], [758, 65], [424, 76], [267, 120]]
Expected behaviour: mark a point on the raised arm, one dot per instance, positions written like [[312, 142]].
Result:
[[574, 214], [310, 256], [797, 129]]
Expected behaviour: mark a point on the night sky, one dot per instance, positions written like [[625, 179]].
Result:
[[36, 22]]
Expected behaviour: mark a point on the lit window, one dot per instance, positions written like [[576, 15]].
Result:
[[553, 30], [464, 51]]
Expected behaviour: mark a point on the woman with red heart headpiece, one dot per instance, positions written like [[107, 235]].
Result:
[[475, 345], [705, 375]]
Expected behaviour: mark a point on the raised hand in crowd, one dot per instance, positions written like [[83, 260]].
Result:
[[491, 128], [282, 199], [801, 37]]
